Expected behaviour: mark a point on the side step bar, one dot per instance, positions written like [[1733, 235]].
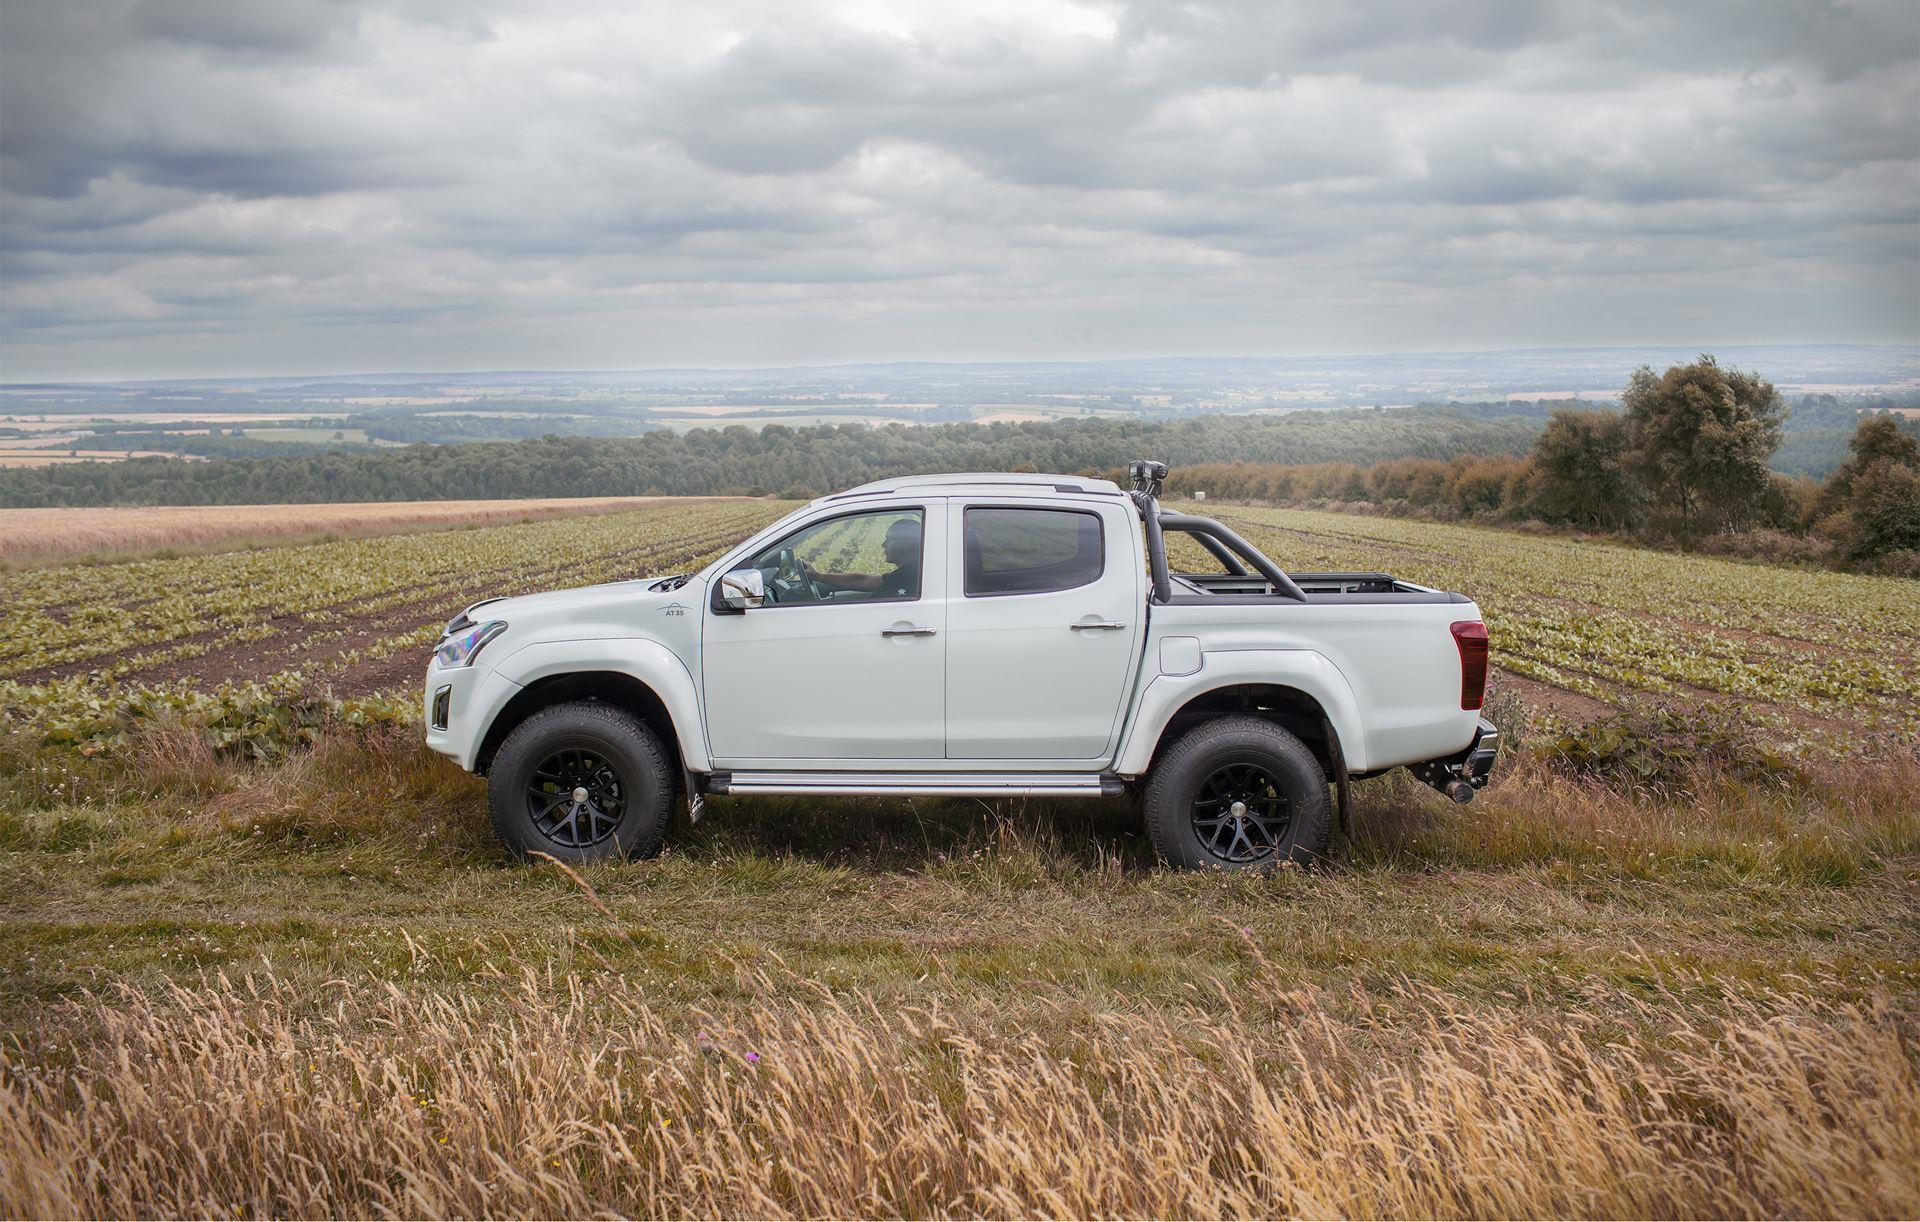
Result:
[[924, 784]]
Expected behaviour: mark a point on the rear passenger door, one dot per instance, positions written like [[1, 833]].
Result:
[[1043, 630]]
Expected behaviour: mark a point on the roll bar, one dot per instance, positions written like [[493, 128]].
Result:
[[1233, 552], [1218, 550], [1208, 532]]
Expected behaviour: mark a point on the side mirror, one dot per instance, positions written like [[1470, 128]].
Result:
[[743, 588]]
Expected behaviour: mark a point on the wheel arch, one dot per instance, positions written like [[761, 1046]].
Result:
[[1298, 690], [607, 686], [1291, 709], [641, 676]]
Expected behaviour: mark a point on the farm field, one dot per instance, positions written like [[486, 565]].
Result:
[[57, 422], [353, 616], [1577, 996], [55, 458], [1811, 658], [52, 440], [1803, 653], [39, 534], [707, 416], [314, 435]]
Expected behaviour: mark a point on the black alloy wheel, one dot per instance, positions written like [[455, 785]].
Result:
[[1241, 814], [575, 798], [1238, 793], [583, 781]]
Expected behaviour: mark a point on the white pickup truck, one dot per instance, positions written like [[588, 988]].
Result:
[[981, 635]]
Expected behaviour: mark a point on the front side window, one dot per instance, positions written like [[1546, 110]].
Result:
[[861, 557], [1032, 551]]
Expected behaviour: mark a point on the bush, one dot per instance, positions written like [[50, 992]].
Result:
[[1885, 511], [1770, 546], [1871, 506], [1579, 473], [1676, 752]]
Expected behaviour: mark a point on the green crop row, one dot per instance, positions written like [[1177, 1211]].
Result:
[[1788, 645], [118, 618]]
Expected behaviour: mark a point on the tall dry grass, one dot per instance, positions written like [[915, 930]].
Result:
[[358, 784], [1828, 825], [43, 534], [570, 1097]]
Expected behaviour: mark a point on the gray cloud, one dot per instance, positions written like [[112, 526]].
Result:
[[199, 187]]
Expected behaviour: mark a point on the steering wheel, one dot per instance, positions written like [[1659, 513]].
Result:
[[789, 575]]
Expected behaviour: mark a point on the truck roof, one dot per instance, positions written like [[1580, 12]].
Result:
[[973, 481]]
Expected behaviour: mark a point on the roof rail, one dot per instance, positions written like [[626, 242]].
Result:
[[976, 479]]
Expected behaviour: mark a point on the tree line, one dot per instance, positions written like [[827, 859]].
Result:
[[1686, 462], [776, 459]]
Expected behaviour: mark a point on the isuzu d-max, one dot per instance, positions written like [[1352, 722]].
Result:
[[981, 635]]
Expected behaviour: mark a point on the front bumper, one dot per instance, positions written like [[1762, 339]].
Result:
[[1460, 775], [458, 705]]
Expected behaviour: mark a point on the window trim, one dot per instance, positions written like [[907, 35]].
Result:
[[916, 510], [1100, 523]]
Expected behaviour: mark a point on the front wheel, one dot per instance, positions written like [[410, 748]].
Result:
[[581, 782], [1238, 793]]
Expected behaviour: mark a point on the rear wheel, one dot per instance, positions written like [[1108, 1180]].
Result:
[[1238, 793], [581, 782]]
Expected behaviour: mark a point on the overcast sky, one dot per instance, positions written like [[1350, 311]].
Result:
[[200, 188]]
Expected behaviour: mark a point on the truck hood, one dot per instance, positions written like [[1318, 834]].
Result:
[[632, 604]]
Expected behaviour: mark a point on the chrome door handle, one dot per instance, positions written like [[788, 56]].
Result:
[[910, 630], [1097, 625]]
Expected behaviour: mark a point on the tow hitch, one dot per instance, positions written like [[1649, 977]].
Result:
[[1458, 776]]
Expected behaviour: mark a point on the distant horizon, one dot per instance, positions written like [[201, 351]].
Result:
[[1910, 347]]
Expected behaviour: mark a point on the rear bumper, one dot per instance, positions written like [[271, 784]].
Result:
[[1461, 774], [1476, 765]]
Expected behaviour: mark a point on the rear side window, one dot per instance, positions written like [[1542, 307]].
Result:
[[1032, 551]]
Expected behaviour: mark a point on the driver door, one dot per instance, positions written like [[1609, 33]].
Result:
[[827, 675]]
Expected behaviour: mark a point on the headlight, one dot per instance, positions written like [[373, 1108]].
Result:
[[459, 649]]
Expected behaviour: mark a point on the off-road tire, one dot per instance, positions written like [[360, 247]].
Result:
[[1236, 742], [628, 748]]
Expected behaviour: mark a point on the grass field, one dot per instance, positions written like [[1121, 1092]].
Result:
[[301, 979]]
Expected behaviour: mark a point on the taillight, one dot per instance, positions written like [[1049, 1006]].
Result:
[[1471, 636]]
